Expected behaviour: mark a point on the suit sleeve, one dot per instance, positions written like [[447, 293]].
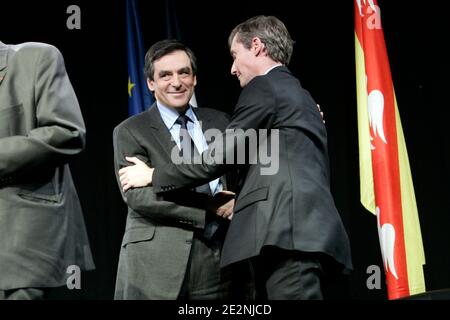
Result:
[[59, 133], [254, 110], [144, 200]]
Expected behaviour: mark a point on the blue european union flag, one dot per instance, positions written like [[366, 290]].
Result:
[[139, 96]]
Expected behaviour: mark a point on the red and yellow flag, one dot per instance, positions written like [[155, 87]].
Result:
[[386, 183]]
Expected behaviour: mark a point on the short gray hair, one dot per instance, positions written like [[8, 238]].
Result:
[[271, 31]]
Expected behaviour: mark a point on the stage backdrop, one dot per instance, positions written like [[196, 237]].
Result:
[[323, 60]]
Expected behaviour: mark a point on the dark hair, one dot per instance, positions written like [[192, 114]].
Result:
[[271, 31], [162, 48]]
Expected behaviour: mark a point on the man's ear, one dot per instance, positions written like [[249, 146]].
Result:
[[258, 47], [150, 85]]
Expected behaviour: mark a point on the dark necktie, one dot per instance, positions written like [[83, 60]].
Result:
[[188, 152], [188, 149]]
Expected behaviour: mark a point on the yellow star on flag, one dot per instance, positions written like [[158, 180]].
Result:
[[130, 86]]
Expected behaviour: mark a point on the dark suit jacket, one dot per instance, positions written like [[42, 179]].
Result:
[[42, 230], [159, 229], [292, 209]]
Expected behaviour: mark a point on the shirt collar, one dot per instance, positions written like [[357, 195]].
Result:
[[272, 67], [169, 115]]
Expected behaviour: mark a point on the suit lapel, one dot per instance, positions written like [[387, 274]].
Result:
[[163, 135], [204, 118], [3, 60], [160, 131]]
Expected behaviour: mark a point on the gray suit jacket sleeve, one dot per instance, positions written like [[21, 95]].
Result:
[[144, 200], [60, 131]]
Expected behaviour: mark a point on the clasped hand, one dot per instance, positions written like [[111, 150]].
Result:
[[135, 176], [139, 174]]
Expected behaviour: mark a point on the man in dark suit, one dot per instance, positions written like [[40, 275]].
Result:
[[172, 243], [42, 230], [285, 223]]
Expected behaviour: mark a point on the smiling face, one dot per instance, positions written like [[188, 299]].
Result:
[[174, 81], [244, 62]]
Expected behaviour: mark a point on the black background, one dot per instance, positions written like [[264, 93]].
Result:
[[323, 60]]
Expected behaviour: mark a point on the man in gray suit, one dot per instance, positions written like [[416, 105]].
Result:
[[42, 229], [172, 244]]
